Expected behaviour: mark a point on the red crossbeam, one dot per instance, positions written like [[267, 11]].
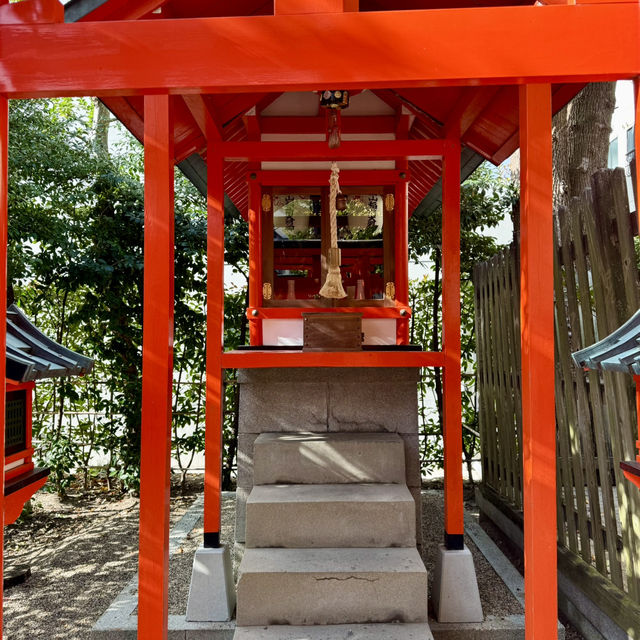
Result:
[[319, 178], [353, 150], [483, 45], [265, 359], [318, 124]]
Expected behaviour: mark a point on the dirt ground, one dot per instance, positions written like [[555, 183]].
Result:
[[83, 550]]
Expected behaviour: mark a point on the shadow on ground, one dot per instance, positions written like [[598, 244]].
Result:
[[81, 552]]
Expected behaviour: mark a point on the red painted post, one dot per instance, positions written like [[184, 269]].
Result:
[[636, 91], [402, 256], [538, 374], [255, 260], [157, 370], [453, 497], [637, 380], [4, 216], [215, 319]]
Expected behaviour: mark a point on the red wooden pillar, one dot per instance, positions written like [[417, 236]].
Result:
[[4, 216], [453, 497], [637, 381], [157, 369], [537, 335], [255, 260], [636, 91], [215, 318], [402, 256]]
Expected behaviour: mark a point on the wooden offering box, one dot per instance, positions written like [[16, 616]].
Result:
[[332, 331]]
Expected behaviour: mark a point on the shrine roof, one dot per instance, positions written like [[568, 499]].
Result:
[[619, 351], [486, 118], [31, 355]]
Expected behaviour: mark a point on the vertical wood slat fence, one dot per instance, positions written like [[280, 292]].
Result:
[[597, 289]]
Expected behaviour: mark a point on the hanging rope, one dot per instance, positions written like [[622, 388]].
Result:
[[332, 287]]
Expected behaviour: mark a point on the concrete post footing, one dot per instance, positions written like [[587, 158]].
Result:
[[455, 590], [212, 594]]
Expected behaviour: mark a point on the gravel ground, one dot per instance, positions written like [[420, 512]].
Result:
[[496, 599], [516, 558], [82, 551]]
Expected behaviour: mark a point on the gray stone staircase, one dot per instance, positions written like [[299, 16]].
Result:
[[331, 542]]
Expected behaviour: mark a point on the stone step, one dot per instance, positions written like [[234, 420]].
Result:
[[331, 515], [419, 631], [328, 458], [331, 586]]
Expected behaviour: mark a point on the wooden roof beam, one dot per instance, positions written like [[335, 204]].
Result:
[[403, 124], [394, 99], [193, 144], [468, 109], [252, 125], [238, 105], [199, 106], [210, 55]]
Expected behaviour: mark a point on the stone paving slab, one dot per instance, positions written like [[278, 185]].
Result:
[[337, 632], [331, 516], [495, 627], [330, 458], [331, 586]]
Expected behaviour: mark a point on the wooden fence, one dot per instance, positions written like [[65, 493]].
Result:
[[597, 289]]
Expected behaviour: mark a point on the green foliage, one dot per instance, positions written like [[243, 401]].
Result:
[[486, 198], [76, 266]]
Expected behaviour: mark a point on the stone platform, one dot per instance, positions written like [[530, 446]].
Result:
[[327, 401], [501, 586]]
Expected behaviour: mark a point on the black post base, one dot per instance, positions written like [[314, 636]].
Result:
[[454, 541], [212, 540]]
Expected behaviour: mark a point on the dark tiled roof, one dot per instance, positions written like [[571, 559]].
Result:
[[31, 355], [619, 351]]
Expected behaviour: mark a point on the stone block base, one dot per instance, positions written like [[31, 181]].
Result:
[[455, 590], [212, 595]]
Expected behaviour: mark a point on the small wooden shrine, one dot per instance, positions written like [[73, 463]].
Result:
[[31, 356], [194, 81]]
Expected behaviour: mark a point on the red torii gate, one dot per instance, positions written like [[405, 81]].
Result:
[[530, 46]]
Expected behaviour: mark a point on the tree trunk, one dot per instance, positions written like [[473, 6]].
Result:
[[101, 130], [581, 140]]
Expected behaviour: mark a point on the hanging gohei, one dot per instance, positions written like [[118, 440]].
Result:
[[332, 287]]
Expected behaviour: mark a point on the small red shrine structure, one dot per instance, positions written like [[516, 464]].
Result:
[[30, 356], [191, 77]]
